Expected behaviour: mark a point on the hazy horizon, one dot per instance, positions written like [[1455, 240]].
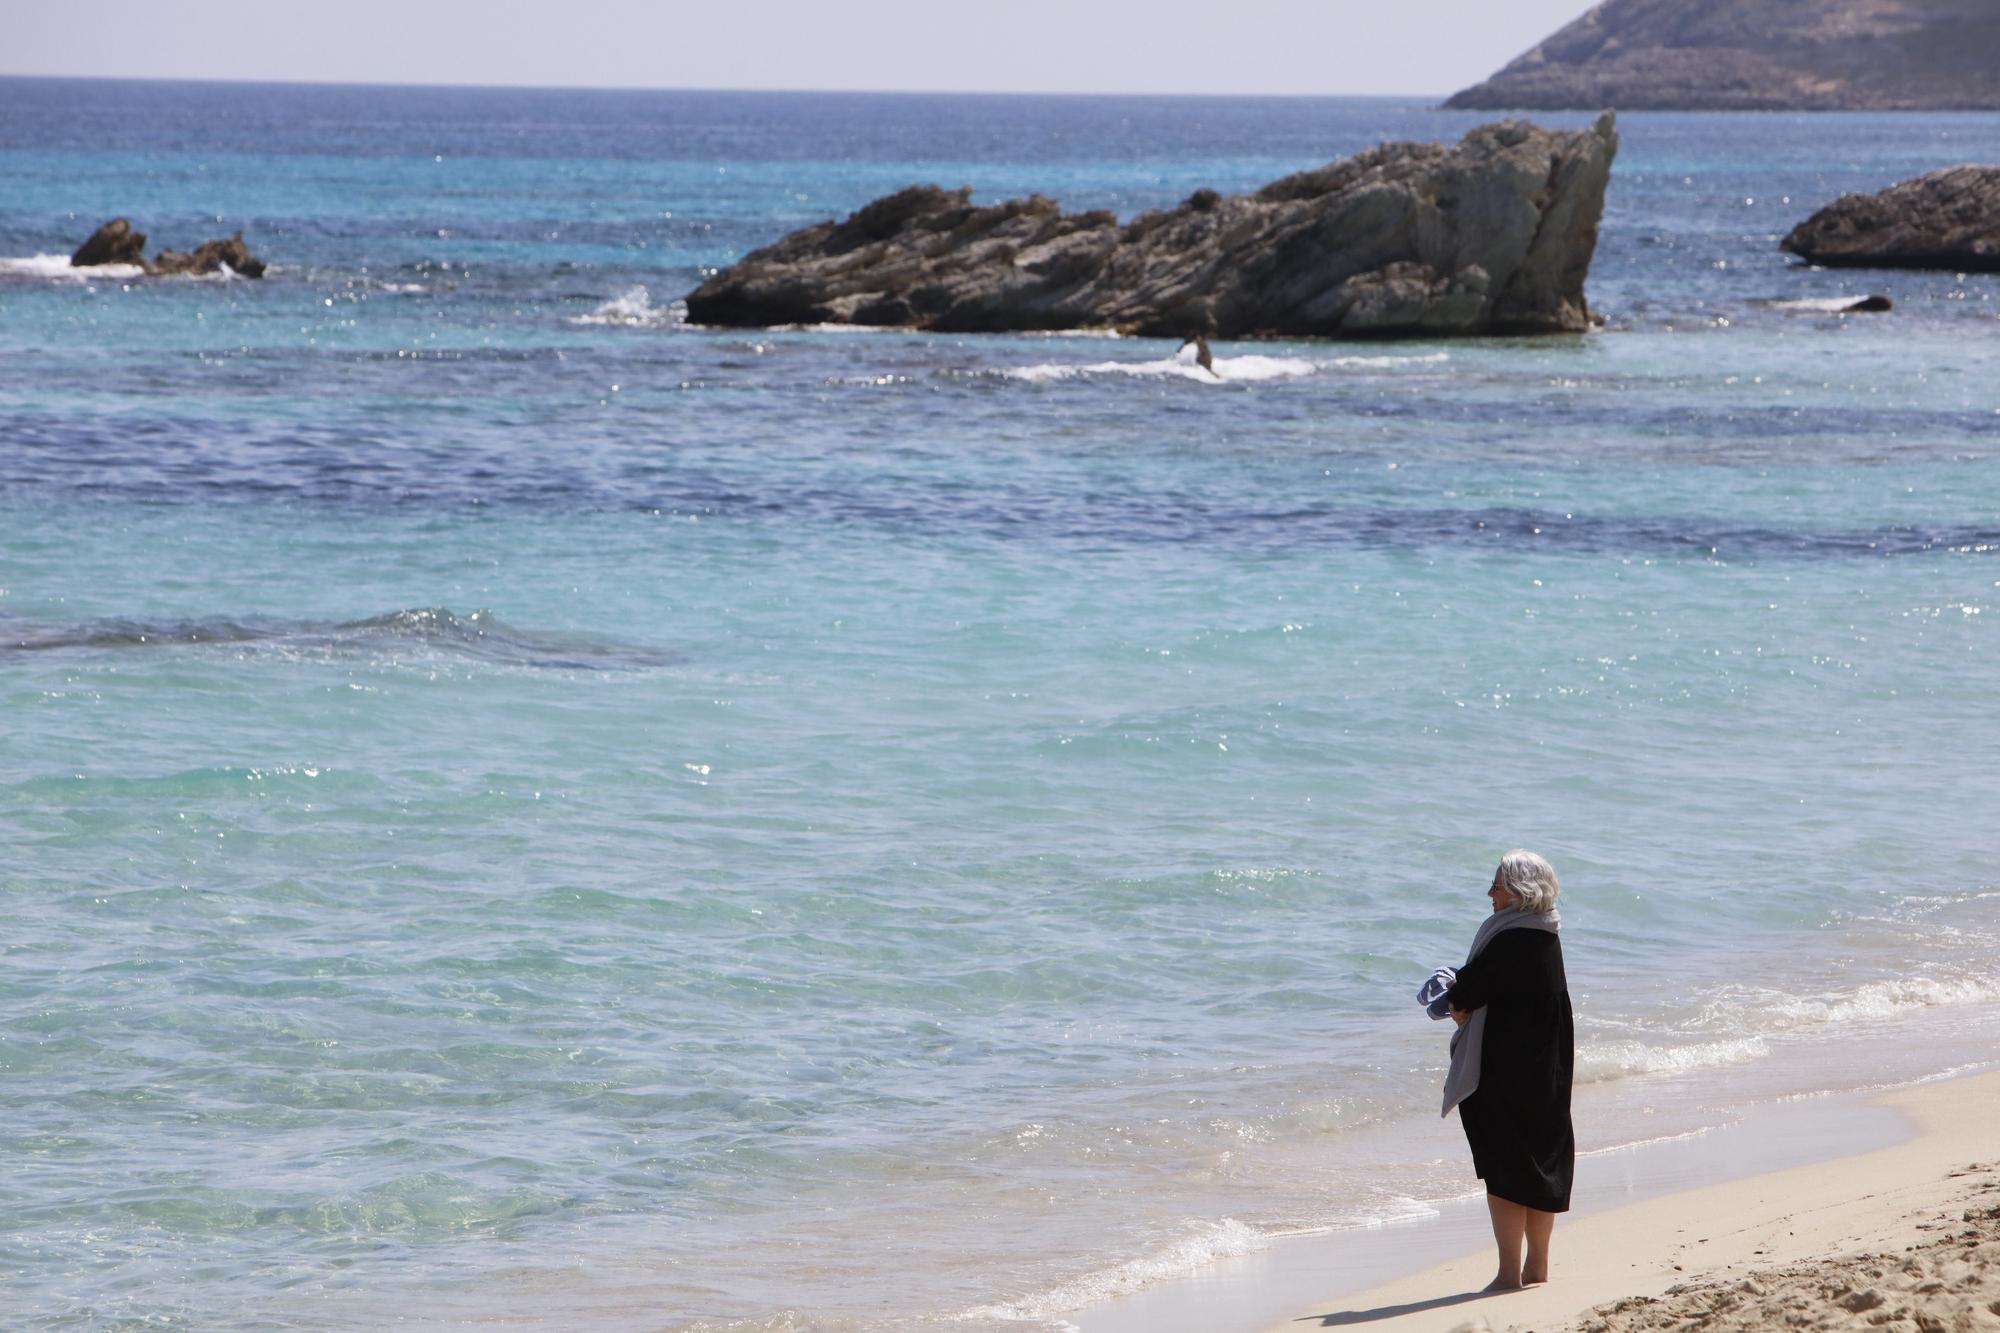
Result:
[[1279, 48], [258, 81]]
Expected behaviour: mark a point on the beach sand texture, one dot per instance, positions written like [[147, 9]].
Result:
[[1906, 1237], [1951, 1281]]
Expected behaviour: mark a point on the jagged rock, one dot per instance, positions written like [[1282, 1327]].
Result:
[[1949, 219], [113, 243], [209, 257], [1492, 235], [1756, 55], [116, 243]]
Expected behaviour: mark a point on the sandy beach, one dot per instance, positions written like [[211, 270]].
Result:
[[1905, 1234]]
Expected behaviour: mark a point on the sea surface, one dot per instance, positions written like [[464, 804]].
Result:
[[520, 812]]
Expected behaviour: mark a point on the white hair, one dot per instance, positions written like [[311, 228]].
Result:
[[1530, 879]]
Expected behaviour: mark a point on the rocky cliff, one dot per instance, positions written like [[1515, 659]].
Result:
[[1492, 235], [1812, 55]]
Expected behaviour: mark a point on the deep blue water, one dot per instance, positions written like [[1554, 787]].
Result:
[[523, 810]]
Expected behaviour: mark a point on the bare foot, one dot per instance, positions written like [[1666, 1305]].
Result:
[[1531, 1278], [1503, 1282]]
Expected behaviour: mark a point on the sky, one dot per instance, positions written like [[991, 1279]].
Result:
[[1423, 47]]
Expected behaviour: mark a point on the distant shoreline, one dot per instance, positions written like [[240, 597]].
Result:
[[1443, 103]]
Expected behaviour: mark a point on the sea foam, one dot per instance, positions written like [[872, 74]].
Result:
[[1743, 1021], [1778, 1011], [1603, 1061], [1208, 1242], [1387, 362], [634, 308], [58, 268], [1225, 370]]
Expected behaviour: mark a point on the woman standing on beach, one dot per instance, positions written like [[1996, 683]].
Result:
[[1512, 1061]]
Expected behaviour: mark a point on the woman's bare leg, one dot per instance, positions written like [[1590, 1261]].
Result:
[[1539, 1227], [1510, 1227]]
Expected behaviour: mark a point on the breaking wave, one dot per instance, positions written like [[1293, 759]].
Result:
[[58, 268], [1385, 362], [635, 309], [1182, 365], [1603, 1061], [1208, 1242], [1738, 1024], [1779, 1011]]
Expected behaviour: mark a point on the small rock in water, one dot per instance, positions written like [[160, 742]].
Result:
[[116, 243], [210, 257], [1949, 219], [113, 243], [1869, 305]]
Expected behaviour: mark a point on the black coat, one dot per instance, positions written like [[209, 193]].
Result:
[[1517, 1120]]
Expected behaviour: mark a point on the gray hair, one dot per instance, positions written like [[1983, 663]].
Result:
[[1530, 878]]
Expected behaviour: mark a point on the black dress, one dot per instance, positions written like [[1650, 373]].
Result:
[[1517, 1120]]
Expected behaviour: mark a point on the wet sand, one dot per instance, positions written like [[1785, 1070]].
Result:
[[1863, 1212]]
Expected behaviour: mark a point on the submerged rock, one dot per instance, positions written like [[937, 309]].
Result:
[[116, 243], [1494, 235], [1949, 219]]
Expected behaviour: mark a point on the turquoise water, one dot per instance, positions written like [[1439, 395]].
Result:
[[529, 812]]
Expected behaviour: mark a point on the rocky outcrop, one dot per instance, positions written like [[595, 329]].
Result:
[[1949, 219], [116, 243], [209, 257], [1756, 55], [113, 243], [1492, 235]]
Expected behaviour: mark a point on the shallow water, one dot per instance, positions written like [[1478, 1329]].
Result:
[[529, 812]]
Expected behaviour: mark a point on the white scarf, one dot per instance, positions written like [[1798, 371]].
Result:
[[1463, 1080]]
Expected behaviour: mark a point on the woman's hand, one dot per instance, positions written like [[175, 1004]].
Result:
[[1460, 1016]]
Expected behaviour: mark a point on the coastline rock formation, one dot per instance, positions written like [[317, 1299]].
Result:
[[113, 243], [116, 243], [1759, 55], [1949, 219], [1493, 235]]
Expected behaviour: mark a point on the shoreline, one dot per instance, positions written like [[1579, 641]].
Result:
[[1754, 1194]]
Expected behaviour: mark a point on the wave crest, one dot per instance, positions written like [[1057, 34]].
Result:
[[634, 308], [1741, 1022], [1780, 1011], [1604, 1061], [1225, 370], [1208, 1242], [58, 268]]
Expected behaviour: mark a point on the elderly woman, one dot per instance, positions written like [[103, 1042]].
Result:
[[1512, 1058]]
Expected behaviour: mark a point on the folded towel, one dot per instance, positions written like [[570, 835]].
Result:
[[1431, 995]]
